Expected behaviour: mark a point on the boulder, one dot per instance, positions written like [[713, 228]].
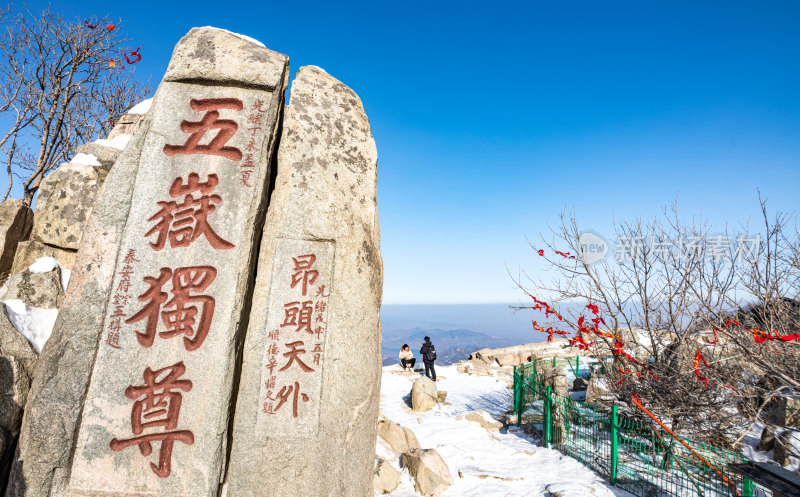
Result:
[[431, 474], [580, 384], [386, 478], [66, 198], [767, 441], [28, 252], [17, 359], [484, 419], [104, 154], [423, 394], [508, 360], [399, 438], [556, 378], [441, 395], [787, 448], [16, 221], [597, 391], [128, 124], [43, 290]]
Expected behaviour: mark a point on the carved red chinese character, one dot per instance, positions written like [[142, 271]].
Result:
[[303, 271], [283, 396], [181, 319], [157, 405], [113, 339], [292, 354], [183, 223], [209, 121], [321, 292], [271, 365], [298, 314], [130, 258], [317, 353]]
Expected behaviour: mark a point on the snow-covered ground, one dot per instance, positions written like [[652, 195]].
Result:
[[482, 464]]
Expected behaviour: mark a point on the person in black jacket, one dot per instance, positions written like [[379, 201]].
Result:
[[428, 353]]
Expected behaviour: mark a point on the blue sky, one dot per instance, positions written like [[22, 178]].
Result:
[[491, 117]]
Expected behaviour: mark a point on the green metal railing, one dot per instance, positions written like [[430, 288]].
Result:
[[640, 458]]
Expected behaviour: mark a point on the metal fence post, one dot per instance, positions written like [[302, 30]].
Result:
[[747, 487], [614, 444], [547, 414], [577, 366], [554, 362], [516, 389]]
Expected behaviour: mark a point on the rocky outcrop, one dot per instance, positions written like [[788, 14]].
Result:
[[597, 391], [17, 359], [37, 289], [521, 354], [65, 201], [556, 378], [431, 474], [128, 124], [16, 221], [399, 438], [32, 250], [423, 394], [385, 478]]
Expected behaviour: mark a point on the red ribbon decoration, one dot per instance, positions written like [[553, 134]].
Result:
[[541, 252], [90, 26], [593, 308], [698, 356], [550, 331], [110, 27], [565, 256], [758, 335], [547, 309], [136, 53]]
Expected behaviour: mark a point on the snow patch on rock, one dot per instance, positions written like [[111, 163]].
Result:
[[244, 37], [65, 274], [119, 142], [34, 323], [142, 107], [43, 265], [85, 159]]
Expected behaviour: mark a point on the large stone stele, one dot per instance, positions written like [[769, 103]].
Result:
[[317, 299], [146, 340], [16, 220]]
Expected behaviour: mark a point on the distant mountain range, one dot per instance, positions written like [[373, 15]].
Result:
[[451, 345]]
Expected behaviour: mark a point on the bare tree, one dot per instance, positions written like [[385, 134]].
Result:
[[67, 83], [658, 315]]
